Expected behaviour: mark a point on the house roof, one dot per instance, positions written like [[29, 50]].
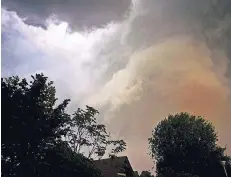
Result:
[[112, 166]]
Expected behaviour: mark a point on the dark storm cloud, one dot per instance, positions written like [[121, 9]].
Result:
[[163, 18], [171, 17], [207, 20], [79, 13]]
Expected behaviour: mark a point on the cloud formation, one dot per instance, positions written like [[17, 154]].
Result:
[[164, 57], [78, 13]]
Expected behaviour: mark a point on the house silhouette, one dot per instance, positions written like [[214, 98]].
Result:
[[115, 167]]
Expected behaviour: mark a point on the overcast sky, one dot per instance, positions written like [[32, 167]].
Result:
[[135, 61]]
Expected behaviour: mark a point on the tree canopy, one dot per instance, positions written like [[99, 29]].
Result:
[[186, 145], [33, 127]]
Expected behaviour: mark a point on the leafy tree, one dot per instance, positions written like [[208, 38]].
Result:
[[33, 125], [87, 135], [146, 174], [185, 145]]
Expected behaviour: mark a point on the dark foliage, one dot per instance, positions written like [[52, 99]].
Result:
[[184, 145], [32, 127], [146, 174]]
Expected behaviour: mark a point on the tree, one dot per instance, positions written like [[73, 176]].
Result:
[[185, 145], [228, 168], [33, 125], [146, 174], [87, 135]]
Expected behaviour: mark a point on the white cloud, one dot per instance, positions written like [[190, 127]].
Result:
[[75, 60]]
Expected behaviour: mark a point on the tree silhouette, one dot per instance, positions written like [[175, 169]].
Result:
[[185, 145], [86, 133], [33, 125]]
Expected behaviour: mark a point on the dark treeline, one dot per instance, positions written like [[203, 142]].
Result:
[[40, 139]]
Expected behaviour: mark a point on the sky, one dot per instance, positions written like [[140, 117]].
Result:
[[136, 61]]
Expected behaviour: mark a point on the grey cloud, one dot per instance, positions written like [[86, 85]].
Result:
[[79, 13], [166, 18]]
